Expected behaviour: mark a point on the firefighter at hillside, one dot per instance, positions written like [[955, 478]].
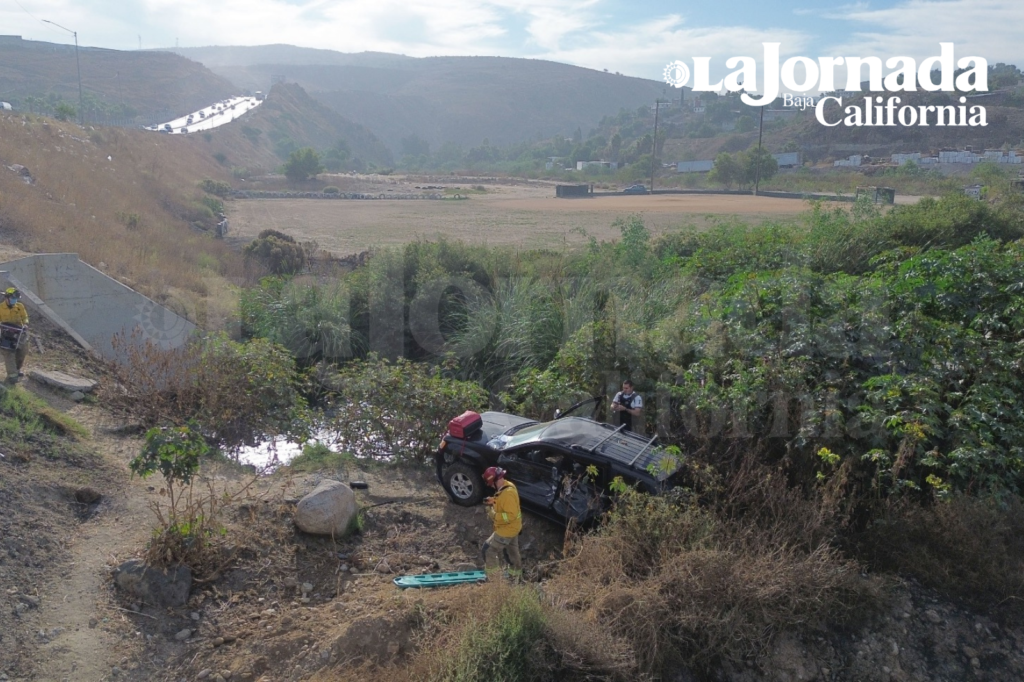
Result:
[[503, 510], [14, 316]]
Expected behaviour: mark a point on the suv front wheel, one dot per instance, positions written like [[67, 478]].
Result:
[[464, 484]]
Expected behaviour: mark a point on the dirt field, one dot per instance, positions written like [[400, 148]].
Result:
[[529, 217]]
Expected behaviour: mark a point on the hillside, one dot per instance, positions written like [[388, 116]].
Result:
[[126, 201], [1005, 119], [464, 100], [288, 120], [116, 84]]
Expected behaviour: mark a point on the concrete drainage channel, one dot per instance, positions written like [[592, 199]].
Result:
[[90, 306]]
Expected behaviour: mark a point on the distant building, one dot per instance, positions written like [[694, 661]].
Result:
[[581, 165], [6, 106], [973, 191], [553, 162], [853, 160]]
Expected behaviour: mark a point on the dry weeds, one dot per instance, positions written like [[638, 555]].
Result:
[[121, 199]]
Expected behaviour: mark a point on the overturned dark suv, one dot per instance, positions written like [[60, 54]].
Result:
[[562, 468]]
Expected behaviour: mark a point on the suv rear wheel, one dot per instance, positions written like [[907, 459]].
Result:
[[465, 484]]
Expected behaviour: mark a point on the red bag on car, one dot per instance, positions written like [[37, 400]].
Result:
[[465, 425]]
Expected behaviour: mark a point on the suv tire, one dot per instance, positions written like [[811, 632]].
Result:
[[465, 485]]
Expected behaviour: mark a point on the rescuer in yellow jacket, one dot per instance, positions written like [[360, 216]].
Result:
[[13, 314], [504, 511]]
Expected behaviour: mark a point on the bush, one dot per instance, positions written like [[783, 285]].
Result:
[[236, 393], [971, 549], [279, 253], [215, 205], [397, 410], [311, 320], [188, 520], [331, 189], [215, 187], [688, 586]]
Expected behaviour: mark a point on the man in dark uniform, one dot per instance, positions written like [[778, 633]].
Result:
[[628, 405]]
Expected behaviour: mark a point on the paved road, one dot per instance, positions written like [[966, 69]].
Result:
[[216, 115]]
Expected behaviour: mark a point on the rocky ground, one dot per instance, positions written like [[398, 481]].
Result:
[[281, 605]]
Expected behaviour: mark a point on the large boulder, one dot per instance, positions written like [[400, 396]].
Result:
[[329, 510], [152, 585]]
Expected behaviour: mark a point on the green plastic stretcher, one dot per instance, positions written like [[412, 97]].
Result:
[[440, 579]]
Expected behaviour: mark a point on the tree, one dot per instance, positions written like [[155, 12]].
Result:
[[65, 112], [336, 157], [744, 124], [302, 165], [726, 171], [749, 161]]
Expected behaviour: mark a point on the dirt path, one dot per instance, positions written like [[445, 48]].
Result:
[[84, 636]]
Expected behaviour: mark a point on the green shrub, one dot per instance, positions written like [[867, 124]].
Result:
[[214, 204], [236, 393], [331, 189], [215, 187], [509, 646], [309, 319], [302, 165], [277, 252], [397, 410]]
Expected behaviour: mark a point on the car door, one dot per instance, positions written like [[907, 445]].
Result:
[[536, 471], [579, 496]]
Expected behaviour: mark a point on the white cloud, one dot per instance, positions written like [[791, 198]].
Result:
[[986, 28], [644, 49]]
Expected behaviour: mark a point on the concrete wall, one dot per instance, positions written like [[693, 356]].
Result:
[[94, 305]]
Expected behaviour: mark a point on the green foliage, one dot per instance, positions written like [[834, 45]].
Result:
[[217, 188], [220, 157], [319, 457], [396, 410], [331, 189], [302, 164], [279, 253], [744, 168], [65, 112], [310, 319], [29, 424], [338, 157], [214, 204], [235, 393], [173, 451], [509, 646]]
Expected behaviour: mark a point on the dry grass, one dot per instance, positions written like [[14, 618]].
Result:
[[968, 548], [496, 631], [695, 586], [521, 216], [121, 198]]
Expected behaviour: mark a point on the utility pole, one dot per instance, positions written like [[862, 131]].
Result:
[[654, 148], [757, 171], [81, 108]]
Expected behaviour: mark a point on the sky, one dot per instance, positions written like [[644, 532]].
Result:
[[636, 38]]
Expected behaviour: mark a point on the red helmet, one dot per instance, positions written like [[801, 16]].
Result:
[[492, 474]]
